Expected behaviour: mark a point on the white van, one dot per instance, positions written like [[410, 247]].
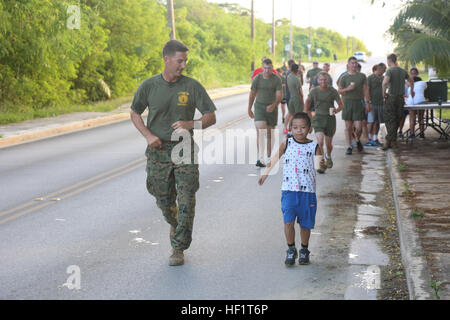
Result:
[[360, 56]]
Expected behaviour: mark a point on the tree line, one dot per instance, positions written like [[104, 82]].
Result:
[[50, 55]]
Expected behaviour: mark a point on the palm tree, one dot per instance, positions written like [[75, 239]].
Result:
[[422, 33]]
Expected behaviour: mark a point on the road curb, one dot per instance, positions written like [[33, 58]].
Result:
[[413, 259], [91, 123]]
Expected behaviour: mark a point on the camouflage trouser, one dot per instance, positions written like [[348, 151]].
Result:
[[170, 183], [392, 114]]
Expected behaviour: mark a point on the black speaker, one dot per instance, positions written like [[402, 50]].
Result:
[[436, 91]]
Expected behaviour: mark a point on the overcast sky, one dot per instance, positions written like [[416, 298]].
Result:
[[369, 25]]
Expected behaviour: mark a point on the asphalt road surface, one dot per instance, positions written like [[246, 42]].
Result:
[[76, 222]]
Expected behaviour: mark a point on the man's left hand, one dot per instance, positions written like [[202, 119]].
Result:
[[187, 125]]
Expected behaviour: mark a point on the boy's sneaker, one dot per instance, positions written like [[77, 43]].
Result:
[[349, 151], [291, 255], [304, 256], [260, 164], [399, 134], [360, 146]]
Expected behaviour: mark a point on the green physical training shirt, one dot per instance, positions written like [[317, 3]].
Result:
[[169, 102], [397, 77], [324, 99], [375, 89], [359, 79], [293, 83], [266, 89], [311, 75]]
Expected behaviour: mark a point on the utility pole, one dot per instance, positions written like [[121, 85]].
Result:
[[309, 20], [290, 37], [273, 30], [171, 19], [252, 32]]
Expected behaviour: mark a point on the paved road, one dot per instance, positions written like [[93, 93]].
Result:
[[103, 221]]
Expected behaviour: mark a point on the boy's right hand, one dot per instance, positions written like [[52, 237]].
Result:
[[262, 179]]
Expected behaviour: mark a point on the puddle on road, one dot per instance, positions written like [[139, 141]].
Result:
[[366, 256]]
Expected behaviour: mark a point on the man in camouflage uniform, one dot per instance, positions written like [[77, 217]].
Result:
[[394, 100], [172, 172]]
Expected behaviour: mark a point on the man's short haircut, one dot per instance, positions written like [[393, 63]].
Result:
[[351, 58], [414, 69], [301, 115], [290, 62], [382, 65], [267, 62], [322, 73], [374, 68], [172, 47], [392, 57], [294, 67]]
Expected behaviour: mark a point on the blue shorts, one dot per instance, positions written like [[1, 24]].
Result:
[[302, 205]]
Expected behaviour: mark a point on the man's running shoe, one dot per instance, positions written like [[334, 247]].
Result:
[[359, 146], [329, 162], [260, 164], [349, 151], [291, 255], [304, 256], [370, 143]]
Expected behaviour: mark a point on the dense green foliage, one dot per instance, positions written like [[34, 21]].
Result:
[[45, 63], [421, 31]]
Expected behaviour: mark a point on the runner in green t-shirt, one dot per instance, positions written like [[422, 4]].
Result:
[[394, 101], [375, 116], [323, 117], [171, 99], [353, 88], [266, 88], [311, 74], [295, 103]]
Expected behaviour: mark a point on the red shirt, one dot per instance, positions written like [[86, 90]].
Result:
[[260, 70]]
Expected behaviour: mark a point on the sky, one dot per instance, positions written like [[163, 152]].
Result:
[[369, 25]]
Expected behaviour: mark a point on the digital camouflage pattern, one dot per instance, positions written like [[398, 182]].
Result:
[[170, 183], [392, 114]]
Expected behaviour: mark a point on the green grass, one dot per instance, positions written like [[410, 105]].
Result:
[[416, 214], [23, 114], [401, 166]]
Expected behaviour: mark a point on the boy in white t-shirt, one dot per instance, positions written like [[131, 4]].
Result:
[[298, 191]]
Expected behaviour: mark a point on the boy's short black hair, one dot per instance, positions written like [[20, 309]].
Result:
[[267, 62], [301, 115], [414, 69]]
